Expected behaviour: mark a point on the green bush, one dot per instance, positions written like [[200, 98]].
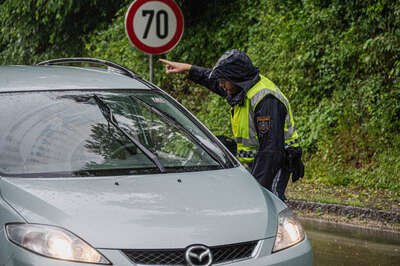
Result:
[[35, 30]]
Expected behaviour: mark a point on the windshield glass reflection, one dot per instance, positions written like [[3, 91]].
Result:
[[66, 133]]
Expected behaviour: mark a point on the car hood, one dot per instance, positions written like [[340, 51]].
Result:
[[149, 211]]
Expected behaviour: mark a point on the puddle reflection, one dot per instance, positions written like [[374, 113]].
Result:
[[337, 245]]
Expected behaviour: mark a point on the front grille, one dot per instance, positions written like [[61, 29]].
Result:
[[221, 254], [232, 252], [159, 256]]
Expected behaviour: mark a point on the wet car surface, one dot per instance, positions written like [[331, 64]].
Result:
[[98, 166]]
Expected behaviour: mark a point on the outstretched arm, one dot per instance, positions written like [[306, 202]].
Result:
[[175, 67], [197, 74]]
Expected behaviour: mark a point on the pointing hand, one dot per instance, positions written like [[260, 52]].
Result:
[[175, 67]]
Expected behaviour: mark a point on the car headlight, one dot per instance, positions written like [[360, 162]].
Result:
[[290, 231], [53, 242]]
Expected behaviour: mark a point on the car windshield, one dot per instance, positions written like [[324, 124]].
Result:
[[71, 134]]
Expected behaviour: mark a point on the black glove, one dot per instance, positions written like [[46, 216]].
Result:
[[229, 143], [294, 163], [298, 171]]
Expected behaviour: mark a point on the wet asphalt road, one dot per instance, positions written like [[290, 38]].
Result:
[[337, 245]]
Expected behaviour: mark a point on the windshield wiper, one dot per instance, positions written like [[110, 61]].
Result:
[[108, 115], [187, 132]]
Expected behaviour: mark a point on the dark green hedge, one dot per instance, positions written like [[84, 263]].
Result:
[[34, 30]]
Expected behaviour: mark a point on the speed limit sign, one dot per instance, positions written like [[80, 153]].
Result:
[[154, 26]]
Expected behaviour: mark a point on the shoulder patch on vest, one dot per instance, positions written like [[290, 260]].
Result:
[[263, 124]]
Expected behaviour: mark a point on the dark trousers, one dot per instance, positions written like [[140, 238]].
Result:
[[277, 184], [280, 182]]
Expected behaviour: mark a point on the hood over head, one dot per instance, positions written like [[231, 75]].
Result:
[[236, 67]]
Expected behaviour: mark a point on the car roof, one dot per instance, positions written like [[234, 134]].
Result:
[[44, 78]]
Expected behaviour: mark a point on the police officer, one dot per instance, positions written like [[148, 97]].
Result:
[[261, 118]]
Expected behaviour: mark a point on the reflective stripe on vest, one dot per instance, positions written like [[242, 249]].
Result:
[[247, 154], [289, 129], [242, 120]]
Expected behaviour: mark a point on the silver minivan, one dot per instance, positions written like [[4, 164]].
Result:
[[99, 166]]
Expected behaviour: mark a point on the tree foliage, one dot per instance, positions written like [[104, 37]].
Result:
[[33, 30]]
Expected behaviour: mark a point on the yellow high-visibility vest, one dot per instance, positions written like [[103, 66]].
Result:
[[242, 120]]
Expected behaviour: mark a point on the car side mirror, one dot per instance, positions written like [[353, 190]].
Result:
[[229, 143]]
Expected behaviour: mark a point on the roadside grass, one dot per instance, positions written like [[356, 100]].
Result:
[[313, 190]]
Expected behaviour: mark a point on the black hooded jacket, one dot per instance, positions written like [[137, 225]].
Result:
[[236, 67]]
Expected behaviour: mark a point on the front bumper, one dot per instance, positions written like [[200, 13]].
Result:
[[300, 254]]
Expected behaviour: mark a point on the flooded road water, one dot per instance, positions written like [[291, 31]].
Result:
[[342, 245]]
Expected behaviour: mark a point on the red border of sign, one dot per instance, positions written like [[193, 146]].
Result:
[[149, 49]]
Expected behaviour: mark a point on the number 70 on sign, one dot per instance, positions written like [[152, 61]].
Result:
[[154, 26]]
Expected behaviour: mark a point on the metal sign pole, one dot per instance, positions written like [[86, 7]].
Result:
[[151, 75]]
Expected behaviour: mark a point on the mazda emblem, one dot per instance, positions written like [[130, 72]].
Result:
[[198, 255]]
